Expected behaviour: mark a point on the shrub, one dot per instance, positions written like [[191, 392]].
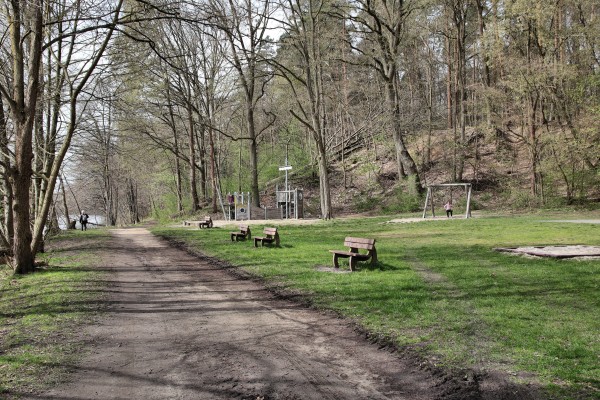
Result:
[[403, 202], [366, 203]]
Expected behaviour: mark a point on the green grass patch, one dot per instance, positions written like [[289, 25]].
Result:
[[40, 314], [440, 288]]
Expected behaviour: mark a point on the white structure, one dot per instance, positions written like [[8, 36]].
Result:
[[290, 202]]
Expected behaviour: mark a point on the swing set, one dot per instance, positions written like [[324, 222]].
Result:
[[429, 200]]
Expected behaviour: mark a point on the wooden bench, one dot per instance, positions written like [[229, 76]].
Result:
[[354, 244], [207, 222], [271, 235], [243, 234]]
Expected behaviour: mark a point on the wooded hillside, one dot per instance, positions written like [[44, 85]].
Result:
[[131, 109]]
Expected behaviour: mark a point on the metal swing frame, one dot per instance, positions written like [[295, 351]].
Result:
[[431, 190]]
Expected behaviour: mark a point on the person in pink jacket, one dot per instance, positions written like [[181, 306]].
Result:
[[448, 208]]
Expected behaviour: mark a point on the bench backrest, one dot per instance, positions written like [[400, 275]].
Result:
[[359, 243], [244, 228], [270, 231], [207, 218]]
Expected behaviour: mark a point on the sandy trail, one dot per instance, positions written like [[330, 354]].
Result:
[[181, 328]]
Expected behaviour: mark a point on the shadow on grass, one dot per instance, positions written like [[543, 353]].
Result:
[[368, 266], [381, 266]]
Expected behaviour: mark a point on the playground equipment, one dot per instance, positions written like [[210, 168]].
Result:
[[429, 199], [237, 207], [290, 203]]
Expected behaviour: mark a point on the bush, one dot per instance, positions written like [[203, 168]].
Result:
[[404, 202], [520, 199], [366, 203]]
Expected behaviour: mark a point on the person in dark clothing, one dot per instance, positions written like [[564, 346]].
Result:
[[83, 220]]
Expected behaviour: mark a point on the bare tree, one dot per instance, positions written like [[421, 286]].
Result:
[[381, 24], [77, 37], [212, 58], [245, 24], [457, 14], [21, 94], [77, 83], [303, 24]]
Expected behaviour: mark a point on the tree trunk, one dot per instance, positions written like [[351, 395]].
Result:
[[462, 96], [64, 199], [39, 184], [21, 181], [429, 97], [213, 175], [192, 149], [406, 164], [253, 152], [178, 182], [324, 186], [533, 143], [109, 200], [23, 108], [201, 162], [132, 199], [449, 102], [176, 150], [7, 198]]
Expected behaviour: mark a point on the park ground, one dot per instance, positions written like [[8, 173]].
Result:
[[188, 314]]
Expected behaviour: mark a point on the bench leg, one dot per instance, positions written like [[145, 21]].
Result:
[[352, 263], [232, 236], [335, 261], [255, 242]]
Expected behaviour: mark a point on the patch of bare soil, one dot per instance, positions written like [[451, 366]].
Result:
[[181, 326], [324, 268], [566, 251]]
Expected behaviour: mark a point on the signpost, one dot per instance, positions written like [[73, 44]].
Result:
[[286, 168]]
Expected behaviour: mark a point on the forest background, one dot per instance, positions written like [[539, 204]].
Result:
[[131, 109]]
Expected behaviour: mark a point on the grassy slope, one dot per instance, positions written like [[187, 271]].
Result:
[[439, 287], [40, 314]]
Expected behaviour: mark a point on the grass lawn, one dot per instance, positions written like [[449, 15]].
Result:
[[441, 289], [40, 314]]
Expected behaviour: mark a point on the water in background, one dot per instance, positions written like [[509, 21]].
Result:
[[93, 221]]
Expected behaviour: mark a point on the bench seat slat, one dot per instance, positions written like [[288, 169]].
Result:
[[359, 240], [359, 256], [359, 243]]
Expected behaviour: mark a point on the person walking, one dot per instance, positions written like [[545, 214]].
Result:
[[83, 220], [448, 208]]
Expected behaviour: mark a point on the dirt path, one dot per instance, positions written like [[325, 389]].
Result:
[[181, 328]]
